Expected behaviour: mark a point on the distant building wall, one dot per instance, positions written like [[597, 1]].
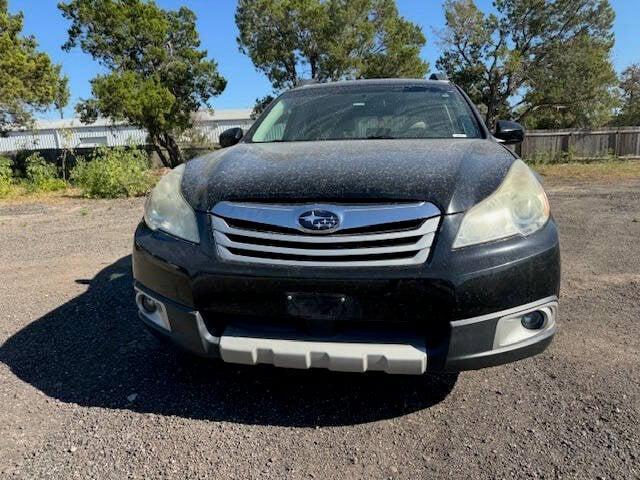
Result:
[[59, 134]]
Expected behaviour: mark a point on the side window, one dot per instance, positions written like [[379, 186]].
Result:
[[273, 127]]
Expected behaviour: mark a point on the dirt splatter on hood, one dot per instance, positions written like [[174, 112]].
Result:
[[454, 174]]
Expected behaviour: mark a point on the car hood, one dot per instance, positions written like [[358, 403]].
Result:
[[452, 174]]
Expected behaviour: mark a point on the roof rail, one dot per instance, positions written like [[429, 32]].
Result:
[[439, 76], [303, 82]]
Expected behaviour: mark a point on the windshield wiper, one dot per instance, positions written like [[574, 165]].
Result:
[[380, 137]]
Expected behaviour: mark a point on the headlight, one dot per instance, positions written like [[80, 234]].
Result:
[[168, 211], [518, 207]]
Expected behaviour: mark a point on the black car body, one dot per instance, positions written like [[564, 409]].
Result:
[[335, 237]]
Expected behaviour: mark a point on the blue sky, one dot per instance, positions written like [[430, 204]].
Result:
[[218, 32]]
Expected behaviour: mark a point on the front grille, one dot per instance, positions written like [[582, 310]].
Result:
[[367, 236]]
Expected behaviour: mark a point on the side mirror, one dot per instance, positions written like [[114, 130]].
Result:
[[230, 137], [509, 132]]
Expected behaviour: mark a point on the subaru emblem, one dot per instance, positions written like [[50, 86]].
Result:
[[319, 220]]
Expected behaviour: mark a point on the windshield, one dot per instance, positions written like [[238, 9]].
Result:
[[367, 112]]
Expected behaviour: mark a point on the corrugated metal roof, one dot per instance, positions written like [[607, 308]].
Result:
[[72, 133]]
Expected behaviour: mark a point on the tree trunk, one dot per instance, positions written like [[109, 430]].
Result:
[[491, 108], [490, 117], [314, 68], [167, 149], [163, 158], [155, 141], [175, 154]]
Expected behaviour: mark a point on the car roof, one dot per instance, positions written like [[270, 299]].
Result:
[[374, 81]]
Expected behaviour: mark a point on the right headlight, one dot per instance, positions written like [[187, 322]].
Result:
[[518, 207], [168, 211]]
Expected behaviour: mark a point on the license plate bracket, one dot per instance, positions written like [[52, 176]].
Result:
[[317, 306]]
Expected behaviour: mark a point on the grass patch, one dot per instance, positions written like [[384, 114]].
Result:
[[20, 191], [608, 170]]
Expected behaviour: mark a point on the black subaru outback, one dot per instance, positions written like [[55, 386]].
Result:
[[366, 225]]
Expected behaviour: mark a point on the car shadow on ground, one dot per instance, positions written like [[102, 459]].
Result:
[[92, 351]]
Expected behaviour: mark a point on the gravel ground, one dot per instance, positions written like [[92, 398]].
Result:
[[85, 393]]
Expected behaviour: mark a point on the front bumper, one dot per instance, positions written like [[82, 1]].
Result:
[[458, 311], [483, 341]]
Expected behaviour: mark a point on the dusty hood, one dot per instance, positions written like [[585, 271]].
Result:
[[453, 174]]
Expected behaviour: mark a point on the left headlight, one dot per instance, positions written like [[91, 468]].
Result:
[[168, 211], [518, 207]]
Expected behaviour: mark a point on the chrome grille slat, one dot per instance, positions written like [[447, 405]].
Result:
[[423, 242], [353, 216], [429, 226], [265, 247], [418, 259]]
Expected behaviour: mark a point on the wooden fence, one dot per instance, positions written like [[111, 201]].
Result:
[[582, 144]]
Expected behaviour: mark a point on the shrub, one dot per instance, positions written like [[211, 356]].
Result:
[[41, 175], [112, 173], [6, 176], [6, 172]]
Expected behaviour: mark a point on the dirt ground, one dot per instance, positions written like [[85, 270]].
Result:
[[85, 393]]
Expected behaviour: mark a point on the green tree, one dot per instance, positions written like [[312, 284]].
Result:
[[291, 40], [577, 89], [61, 98], [29, 81], [394, 48], [533, 59], [157, 74], [629, 114], [261, 105]]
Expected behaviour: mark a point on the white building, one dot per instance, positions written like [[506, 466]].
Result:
[[71, 133]]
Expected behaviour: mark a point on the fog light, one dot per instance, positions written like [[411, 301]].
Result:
[[533, 320], [148, 304]]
